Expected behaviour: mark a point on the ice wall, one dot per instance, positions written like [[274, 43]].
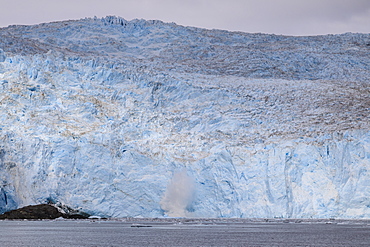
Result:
[[286, 180], [110, 133]]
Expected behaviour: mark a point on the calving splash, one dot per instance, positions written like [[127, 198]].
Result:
[[179, 195]]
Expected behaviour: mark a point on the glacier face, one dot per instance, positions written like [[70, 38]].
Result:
[[148, 119]]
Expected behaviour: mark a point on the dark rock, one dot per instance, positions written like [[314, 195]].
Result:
[[79, 215], [70, 213], [42, 211]]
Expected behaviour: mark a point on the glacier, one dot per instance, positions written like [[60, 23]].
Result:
[[151, 119]]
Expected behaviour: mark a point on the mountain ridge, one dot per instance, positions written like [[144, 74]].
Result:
[[197, 50]]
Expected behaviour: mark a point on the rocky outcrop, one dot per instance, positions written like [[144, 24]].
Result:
[[43, 211]]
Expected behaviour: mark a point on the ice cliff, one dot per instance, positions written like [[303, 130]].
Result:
[[148, 119]]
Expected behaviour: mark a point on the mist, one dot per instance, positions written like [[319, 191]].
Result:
[[178, 195]]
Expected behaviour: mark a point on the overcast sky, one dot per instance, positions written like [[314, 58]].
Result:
[[290, 17]]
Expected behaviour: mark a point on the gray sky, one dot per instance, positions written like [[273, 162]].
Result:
[[290, 17]]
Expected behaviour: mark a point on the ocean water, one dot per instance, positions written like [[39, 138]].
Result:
[[181, 233]]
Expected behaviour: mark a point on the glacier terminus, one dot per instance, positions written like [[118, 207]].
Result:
[[151, 119]]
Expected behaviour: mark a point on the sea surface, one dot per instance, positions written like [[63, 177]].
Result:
[[183, 232]]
